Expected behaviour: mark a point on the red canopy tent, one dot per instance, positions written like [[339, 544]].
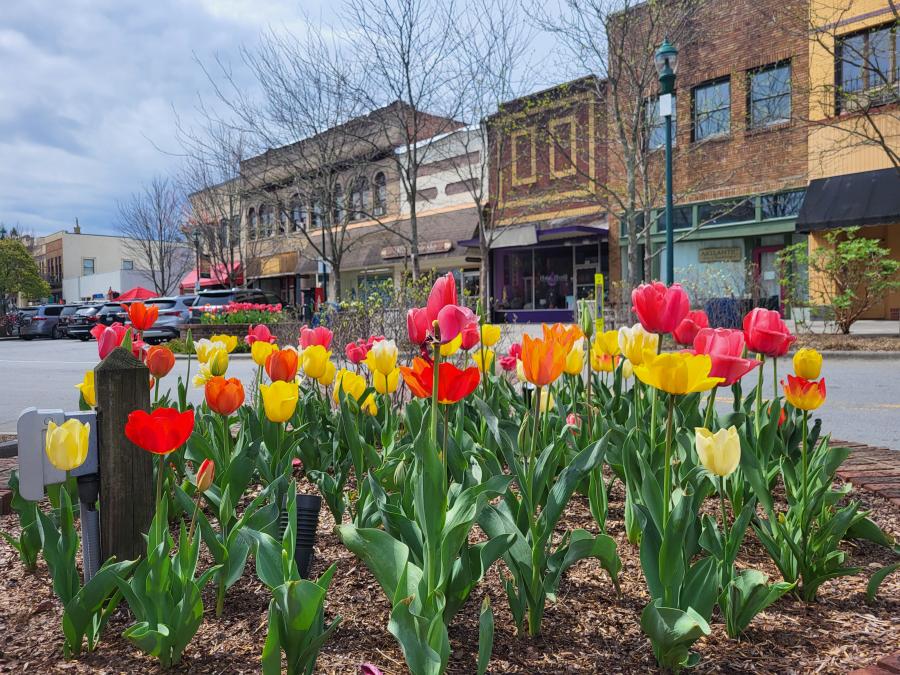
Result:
[[137, 293], [218, 276]]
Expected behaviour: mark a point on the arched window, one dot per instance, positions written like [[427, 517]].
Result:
[[266, 221], [355, 201], [252, 224], [283, 220], [380, 206], [363, 195], [298, 214], [316, 214], [338, 206]]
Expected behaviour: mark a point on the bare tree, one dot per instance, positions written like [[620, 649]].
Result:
[[408, 54], [152, 223]]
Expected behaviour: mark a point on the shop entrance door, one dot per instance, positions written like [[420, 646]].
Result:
[[768, 284]]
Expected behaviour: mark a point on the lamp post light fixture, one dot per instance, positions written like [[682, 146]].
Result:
[[666, 61]]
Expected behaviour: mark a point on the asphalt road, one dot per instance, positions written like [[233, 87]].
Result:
[[863, 394]]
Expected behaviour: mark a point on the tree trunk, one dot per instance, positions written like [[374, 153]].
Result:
[[484, 279]]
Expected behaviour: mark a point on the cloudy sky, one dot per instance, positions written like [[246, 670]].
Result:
[[87, 91]]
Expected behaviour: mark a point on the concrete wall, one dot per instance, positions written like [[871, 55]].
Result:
[[86, 287]]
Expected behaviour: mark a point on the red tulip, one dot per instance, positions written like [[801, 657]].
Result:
[[159, 432], [766, 333], [315, 336], [259, 333], [453, 384], [453, 320], [471, 334], [687, 330], [141, 316], [659, 308], [205, 475], [443, 293], [725, 348], [108, 337], [160, 361], [224, 396], [356, 351], [417, 325], [282, 365], [508, 362]]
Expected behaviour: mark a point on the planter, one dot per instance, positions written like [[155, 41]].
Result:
[[285, 332]]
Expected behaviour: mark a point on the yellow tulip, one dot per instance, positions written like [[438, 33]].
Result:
[[627, 369], [677, 372], [520, 371], [490, 334], [452, 347], [547, 401], [575, 359], [382, 357], [260, 351], [634, 341], [720, 452], [279, 399], [229, 341], [607, 342], [203, 376], [67, 444], [218, 361], [86, 387], [386, 384], [488, 365], [808, 364], [206, 348], [353, 385], [328, 377], [315, 361]]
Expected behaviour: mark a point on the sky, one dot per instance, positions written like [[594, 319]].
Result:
[[92, 93], [89, 91]]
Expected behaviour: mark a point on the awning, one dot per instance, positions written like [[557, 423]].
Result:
[[508, 236], [865, 198], [511, 236], [218, 276]]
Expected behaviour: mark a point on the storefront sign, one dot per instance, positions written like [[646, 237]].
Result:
[[425, 248], [724, 254]]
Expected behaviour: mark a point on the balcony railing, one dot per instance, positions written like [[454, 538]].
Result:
[[869, 91]]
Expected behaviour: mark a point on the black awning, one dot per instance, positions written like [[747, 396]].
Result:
[[866, 198]]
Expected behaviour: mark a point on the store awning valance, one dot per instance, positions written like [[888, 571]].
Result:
[[865, 198]]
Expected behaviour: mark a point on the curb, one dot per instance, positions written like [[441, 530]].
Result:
[[861, 355]]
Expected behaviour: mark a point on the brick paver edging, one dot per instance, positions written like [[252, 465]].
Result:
[[875, 470]]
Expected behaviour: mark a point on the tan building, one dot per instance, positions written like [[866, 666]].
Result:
[[854, 131]]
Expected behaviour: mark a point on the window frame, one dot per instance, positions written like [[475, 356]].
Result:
[[129, 267], [840, 98], [84, 271], [379, 204], [768, 68], [695, 122]]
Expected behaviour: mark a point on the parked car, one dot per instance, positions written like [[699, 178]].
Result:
[[65, 318], [111, 312], [81, 323], [211, 300], [41, 321], [174, 312]]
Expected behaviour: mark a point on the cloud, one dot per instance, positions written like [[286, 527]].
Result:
[[87, 92]]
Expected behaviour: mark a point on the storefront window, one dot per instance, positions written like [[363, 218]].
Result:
[[514, 271], [553, 278]]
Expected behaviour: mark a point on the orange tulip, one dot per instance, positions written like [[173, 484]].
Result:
[[160, 360], [564, 335], [453, 384], [282, 365], [141, 316], [224, 396], [543, 360], [804, 394], [205, 475]]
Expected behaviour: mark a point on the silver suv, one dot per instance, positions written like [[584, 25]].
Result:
[[174, 312], [41, 321]]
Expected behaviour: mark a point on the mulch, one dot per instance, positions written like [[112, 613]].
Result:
[[848, 343], [588, 630]]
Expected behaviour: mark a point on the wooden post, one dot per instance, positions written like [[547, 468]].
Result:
[[126, 471]]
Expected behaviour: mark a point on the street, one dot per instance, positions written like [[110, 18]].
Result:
[[863, 395]]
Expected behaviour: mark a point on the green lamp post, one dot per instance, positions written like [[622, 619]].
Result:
[[666, 61]]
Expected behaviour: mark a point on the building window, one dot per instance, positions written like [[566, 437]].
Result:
[[127, 265], [251, 224], [266, 221], [359, 198], [656, 125], [337, 211], [562, 147], [867, 69], [380, 194], [726, 212], [712, 109], [87, 266], [298, 214], [316, 214], [283, 221], [524, 164], [781, 205], [769, 94]]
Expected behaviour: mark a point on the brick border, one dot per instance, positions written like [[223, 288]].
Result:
[[874, 469]]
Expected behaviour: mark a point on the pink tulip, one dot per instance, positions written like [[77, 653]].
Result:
[[687, 330], [356, 351], [369, 669], [725, 348], [315, 336], [108, 337], [417, 325], [453, 319], [766, 333], [508, 362], [258, 333], [443, 293], [659, 308], [471, 334]]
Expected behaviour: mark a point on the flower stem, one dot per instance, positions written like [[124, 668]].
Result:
[[759, 387], [774, 378], [667, 467], [804, 461], [159, 484], [729, 571], [710, 406]]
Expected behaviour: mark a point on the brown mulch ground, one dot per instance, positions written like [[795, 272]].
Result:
[[589, 629], [848, 343]]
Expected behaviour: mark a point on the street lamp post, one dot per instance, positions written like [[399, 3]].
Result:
[[197, 249], [666, 60]]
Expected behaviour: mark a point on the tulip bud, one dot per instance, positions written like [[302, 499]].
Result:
[[720, 452], [67, 444], [586, 317], [218, 362], [205, 475], [808, 364]]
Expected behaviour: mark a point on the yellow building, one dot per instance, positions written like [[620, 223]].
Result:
[[854, 127]]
